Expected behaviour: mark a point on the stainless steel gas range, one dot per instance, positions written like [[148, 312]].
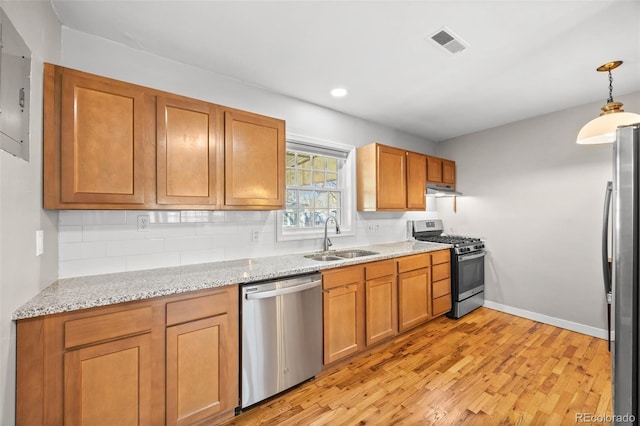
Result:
[[467, 265]]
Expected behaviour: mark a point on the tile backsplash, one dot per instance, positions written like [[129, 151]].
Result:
[[95, 242]]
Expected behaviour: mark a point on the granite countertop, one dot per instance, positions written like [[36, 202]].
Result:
[[71, 294]]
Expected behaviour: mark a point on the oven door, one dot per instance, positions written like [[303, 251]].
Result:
[[470, 274]]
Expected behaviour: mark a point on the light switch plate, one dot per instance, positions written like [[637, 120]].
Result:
[[39, 242]]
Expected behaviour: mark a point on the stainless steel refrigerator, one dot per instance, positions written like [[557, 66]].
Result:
[[622, 283]]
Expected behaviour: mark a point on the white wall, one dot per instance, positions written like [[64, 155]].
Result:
[[22, 274], [96, 242], [537, 198]]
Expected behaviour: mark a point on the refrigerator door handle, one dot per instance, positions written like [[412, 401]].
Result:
[[606, 269]]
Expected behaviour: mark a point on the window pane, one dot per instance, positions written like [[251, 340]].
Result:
[[306, 199], [291, 159], [304, 161], [318, 179], [321, 217], [290, 218], [291, 177], [306, 218], [334, 199], [322, 199], [318, 162], [332, 180], [304, 178], [332, 164], [292, 198]]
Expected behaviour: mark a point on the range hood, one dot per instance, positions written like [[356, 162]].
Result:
[[442, 190]]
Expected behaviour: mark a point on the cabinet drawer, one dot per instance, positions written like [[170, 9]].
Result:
[[441, 305], [441, 256], [411, 263], [440, 288], [108, 326], [441, 271], [379, 269], [196, 308], [342, 276]]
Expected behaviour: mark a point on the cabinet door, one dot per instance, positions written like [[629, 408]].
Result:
[[187, 168], [343, 316], [434, 169], [109, 383], [413, 298], [102, 153], [197, 370], [449, 172], [416, 181], [381, 309], [391, 179], [254, 161]]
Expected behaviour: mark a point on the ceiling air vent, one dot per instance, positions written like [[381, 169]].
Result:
[[449, 40]]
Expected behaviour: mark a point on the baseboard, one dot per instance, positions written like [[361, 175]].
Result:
[[569, 325]]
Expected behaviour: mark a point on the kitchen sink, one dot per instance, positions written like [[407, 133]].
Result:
[[339, 255], [349, 254], [323, 257]]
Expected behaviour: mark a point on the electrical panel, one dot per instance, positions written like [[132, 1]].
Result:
[[15, 71]]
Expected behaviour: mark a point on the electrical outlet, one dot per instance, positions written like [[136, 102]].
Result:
[[143, 223], [255, 235], [371, 229]]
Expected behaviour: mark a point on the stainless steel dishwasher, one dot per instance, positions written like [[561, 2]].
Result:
[[281, 335]]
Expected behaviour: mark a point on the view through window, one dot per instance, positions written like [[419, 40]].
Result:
[[314, 189]]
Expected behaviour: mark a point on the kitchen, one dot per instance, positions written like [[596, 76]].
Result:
[[564, 182]]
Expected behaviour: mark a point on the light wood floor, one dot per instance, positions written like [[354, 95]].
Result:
[[487, 368]]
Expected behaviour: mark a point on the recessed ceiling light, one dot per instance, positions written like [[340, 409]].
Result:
[[339, 92]]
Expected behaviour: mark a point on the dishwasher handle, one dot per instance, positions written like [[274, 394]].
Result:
[[281, 291]]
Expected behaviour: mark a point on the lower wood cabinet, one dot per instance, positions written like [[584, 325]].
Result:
[[343, 312], [441, 283], [381, 309], [169, 360], [109, 383], [367, 304], [414, 292]]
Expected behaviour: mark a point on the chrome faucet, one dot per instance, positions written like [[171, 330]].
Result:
[[327, 241]]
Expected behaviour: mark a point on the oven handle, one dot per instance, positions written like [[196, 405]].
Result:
[[470, 256]]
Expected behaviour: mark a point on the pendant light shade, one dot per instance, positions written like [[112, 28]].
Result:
[[603, 128]]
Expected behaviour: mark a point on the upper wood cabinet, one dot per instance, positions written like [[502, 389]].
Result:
[[93, 140], [254, 161], [114, 145], [187, 151], [416, 180], [442, 171], [390, 179]]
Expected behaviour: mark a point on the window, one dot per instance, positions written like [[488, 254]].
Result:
[[319, 178], [314, 189]]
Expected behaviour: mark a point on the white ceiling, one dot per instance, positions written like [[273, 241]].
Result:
[[525, 58]]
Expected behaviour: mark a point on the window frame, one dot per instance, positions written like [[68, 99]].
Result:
[[347, 218]]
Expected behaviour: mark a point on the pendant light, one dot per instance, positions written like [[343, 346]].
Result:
[[603, 128]]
